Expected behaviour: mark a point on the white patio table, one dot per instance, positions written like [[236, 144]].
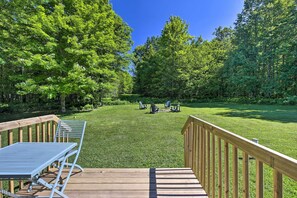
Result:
[[26, 161]]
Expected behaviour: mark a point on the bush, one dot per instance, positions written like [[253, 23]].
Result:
[[88, 107], [115, 102], [130, 97], [73, 108], [290, 100], [4, 108]]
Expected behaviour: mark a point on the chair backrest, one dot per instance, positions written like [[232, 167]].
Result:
[[141, 105], [167, 104], [70, 129], [154, 108]]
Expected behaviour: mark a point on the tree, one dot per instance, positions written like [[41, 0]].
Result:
[[175, 42], [66, 47], [263, 61]]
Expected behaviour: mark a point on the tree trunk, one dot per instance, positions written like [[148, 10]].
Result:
[[62, 100]]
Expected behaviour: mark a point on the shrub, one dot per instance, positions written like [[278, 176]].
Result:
[[290, 100], [88, 107], [115, 102], [4, 108]]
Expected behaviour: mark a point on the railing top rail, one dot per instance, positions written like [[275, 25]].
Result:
[[274, 159], [4, 126]]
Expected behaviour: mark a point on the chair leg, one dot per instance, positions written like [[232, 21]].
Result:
[[76, 166]]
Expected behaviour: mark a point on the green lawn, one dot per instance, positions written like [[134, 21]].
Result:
[[124, 136]]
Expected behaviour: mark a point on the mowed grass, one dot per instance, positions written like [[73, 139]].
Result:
[[124, 136]]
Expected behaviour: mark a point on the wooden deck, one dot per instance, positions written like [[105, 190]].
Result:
[[138, 182]]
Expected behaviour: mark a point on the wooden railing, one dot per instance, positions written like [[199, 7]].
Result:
[[37, 129], [213, 154]]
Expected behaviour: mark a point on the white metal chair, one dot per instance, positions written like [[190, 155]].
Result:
[[67, 131]]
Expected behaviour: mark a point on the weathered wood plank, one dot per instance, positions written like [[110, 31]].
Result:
[[235, 172], [213, 165], [165, 182], [259, 180], [277, 184], [226, 160], [245, 172], [220, 183], [5, 126]]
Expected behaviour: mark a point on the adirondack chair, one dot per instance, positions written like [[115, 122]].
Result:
[[167, 104], [71, 131], [142, 106], [175, 108], [154, 108]]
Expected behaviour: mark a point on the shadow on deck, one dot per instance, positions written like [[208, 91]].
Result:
[[134, 182]]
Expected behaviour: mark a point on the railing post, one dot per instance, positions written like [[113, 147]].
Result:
[[203, 157], [43, 131], [10, 141], [30, 133], [226, 169], [213, 165], [185, 148], [190, 145], [195, 144], [235, 172], [220, 167], [53, 130], [48, 131], [37, 131], [245, 171], [259, 179], [200, 153], [208, 162], [277, 184]]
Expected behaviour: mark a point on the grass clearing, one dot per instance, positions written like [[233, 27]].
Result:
[[124, 136]]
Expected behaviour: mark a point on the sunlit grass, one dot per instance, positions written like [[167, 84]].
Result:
[[124, 136]]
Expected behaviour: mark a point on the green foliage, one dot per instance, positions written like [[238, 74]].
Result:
[[290, 100], [263, 62], [111, 101], [60, 48], [88, 107], [177, 65], [255, 60]]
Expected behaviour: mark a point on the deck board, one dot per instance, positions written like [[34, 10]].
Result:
[[135, 182]]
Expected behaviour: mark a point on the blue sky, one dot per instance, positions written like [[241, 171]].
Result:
[[147, 17]]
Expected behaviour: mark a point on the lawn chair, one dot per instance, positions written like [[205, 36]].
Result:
[[167, 104], [154, 108], [142, 106], [68, 131], [175, 108]]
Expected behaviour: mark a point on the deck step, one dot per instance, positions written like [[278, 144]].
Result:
[[115, 183]]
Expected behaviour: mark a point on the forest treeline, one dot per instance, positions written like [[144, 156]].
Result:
[[75, 52], [255, 59]]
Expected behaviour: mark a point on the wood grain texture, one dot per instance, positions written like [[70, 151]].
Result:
[[284, 164], [5, 126], [141, 183]]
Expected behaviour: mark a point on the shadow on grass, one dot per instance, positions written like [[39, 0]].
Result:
[[6, 117], [278, 113]]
